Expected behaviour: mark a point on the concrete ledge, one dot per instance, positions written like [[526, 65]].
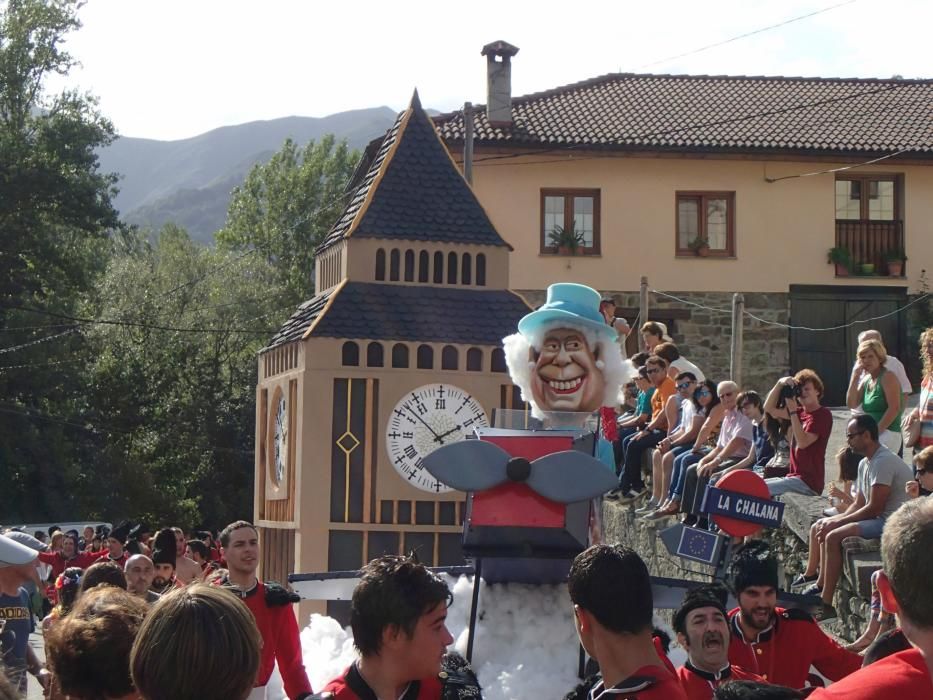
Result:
[[862, 559], [800, 512]]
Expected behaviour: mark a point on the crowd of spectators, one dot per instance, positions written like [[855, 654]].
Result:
[[128, 625]]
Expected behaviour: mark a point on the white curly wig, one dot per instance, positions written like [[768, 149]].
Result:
[[616, 370]]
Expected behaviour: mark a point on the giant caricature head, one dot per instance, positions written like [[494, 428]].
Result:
[[564, 356]]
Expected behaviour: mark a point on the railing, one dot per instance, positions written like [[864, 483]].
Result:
[[868, 241]]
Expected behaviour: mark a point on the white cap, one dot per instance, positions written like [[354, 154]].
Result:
[[12, 553]]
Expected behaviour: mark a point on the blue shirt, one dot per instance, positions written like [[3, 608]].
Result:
[[764, 450], [14, 640]]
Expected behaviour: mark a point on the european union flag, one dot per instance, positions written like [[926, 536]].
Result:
[[699, 545]]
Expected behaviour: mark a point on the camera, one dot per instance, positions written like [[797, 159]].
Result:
[[788, 391]]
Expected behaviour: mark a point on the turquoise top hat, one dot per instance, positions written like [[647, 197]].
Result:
[[576, 304]]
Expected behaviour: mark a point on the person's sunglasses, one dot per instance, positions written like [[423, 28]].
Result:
[[654, 370], [849, 436], [685, 385], [704, 392], [922, 471]]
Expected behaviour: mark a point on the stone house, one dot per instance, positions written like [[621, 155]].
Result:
[[768, 174]]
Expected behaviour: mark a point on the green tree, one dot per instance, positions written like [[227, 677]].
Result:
[[287, 205], [55, 219], [174, 386]]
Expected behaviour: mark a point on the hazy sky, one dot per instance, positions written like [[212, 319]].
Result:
[[169, 69]]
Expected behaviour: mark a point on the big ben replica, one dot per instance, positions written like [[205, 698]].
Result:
[[398, 353]]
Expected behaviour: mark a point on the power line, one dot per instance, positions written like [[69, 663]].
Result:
[[767, 322], [133, 324], [840, 169], [748, 34], [31, 343]]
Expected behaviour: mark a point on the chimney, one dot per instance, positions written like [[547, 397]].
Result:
[[499, 82]]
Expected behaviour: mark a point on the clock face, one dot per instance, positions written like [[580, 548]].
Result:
[[280, 440], [423, 420]]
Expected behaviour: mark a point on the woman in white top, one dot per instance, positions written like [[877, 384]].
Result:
[[676, 363]]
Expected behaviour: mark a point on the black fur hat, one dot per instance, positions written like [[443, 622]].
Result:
[[753, 564], [710, 595], [163, 548]]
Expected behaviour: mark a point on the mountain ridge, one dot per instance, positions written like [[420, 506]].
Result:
[[188, 181]]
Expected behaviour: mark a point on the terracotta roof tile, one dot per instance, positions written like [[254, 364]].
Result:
[[623, 111]]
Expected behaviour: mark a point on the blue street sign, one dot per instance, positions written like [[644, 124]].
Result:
[[741, 507]]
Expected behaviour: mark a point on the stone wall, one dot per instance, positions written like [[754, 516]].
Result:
[[704, 335], [851, 601]]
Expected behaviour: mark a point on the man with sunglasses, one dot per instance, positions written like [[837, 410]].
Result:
[[882, 488], [810, 427]]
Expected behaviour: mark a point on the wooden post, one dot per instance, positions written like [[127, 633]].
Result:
[[642, 303], [468, 142], [735, 357]]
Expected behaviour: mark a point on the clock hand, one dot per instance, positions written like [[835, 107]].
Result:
[[423, 423], [452, 430]]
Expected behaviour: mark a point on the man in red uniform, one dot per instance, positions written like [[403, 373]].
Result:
[[398, 617], [904, 585], [271, 606], [703, 630], [612, 603], [777, 644], [115, 551], [69, 556]]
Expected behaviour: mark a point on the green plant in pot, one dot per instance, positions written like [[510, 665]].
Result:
[[567, 240], [841, 257], [895, 260], [700, 246]]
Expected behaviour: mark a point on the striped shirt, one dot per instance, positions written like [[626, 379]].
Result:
[[925, 409]]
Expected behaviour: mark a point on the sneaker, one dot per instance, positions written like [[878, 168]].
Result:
[[802, 580], [812, 589], [651, 505], [633, 495], [825, 612], [613, 495]]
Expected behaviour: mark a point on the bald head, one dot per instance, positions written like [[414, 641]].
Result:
[[139, 574]]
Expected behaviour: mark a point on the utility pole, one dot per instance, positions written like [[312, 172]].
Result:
[[468, 142], [735, 356], [642, 303]]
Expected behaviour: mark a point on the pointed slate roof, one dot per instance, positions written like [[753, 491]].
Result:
[[413, 191], [373, 311]]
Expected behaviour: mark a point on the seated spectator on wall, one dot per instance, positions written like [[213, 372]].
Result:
[[89, 649], [732, 446], [664, 407], [923, 413], [922, 484], [842, 491], [629, 425], [679, 440], [877, 392], [762, 450], [905, 587], [797, 399], [711, 408], [653, 334], [677, 363], [881, 489]]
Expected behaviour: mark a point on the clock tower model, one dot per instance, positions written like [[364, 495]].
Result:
[[398, 353]]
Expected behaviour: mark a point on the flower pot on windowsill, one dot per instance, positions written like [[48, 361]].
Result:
[[842, 270], [699, 246], [895, 268], [867, 268], [566, 250]]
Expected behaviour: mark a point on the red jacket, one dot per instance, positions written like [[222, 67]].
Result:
[[351, 686], [699, 685], [902, 675], [58, 562], [783, 653], [280, 642]]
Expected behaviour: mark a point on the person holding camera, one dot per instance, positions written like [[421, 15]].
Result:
[[797, 399]]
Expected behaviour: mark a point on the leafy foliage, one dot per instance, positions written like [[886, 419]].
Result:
[[287, 206]]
